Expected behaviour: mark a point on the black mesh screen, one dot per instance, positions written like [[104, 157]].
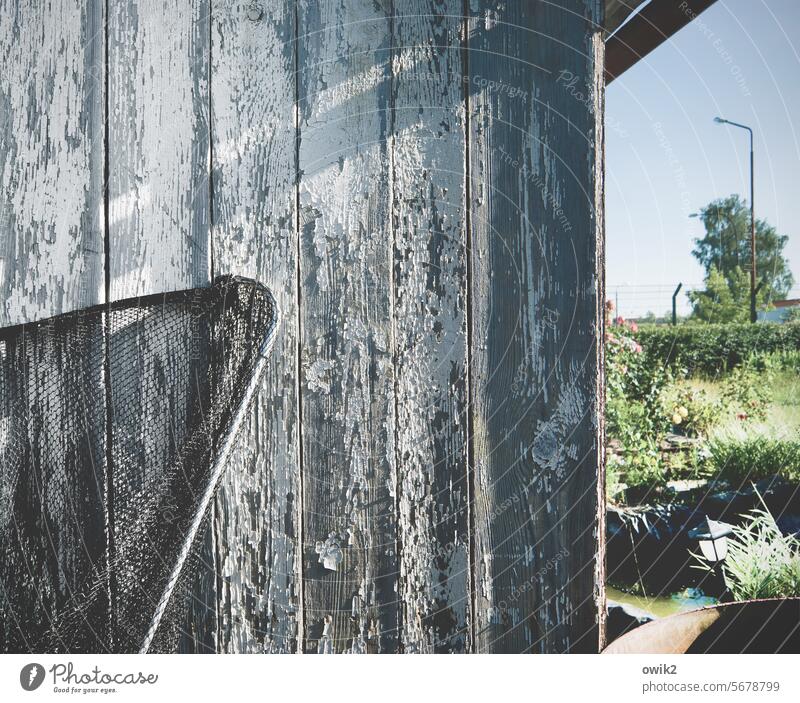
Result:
[[115, 423]]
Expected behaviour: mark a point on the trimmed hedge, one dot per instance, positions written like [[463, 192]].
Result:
[[709, 349]]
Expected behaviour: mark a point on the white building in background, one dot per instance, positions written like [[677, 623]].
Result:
[[780, 311]]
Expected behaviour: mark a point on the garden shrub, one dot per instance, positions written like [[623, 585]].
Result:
[[748, 392], [634, 387], [691, 412], [634, 416], [752, 458], [774, 362], [711, 349]]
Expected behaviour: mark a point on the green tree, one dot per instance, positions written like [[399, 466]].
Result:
[[726, 246], [724, 299]]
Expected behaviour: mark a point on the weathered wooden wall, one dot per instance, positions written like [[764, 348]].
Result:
[[419, 183], [52, 98]]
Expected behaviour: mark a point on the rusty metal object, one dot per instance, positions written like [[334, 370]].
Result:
[[648, 29], [748, 627], [617, 12]]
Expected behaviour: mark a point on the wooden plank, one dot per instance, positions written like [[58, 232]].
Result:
[[158, 146], [52, 493], [429, 144], [199, 629], [254, 177], [535, 150], [154, 353], [349, 484], [52, 506], [158, 211], [51, 158]]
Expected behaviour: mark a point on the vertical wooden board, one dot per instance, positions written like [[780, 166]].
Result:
[[51, 246], [349, 528], [159, 218], [599, 47], [535, 94], [199, 630], [158, 146], [428, 145], [52, 516], [51, 158], [157, 375], [254, 184]]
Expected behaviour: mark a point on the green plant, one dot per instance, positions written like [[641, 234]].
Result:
[[638, 469], [784, 360], [753, 458], [686, 464], [630, 423], [634, 385], [727, 235], [691, 411], [725, 299], [711, 349], [761, 562], [634, 423], [613, 478], [748, 392]]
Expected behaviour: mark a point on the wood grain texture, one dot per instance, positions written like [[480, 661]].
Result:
[[349, 542], [158, 238], [51, 158], [425, 204], [158, 146], [254, 177], [198, 631], [430, 280], [156, 375], [533, 150], [599, 158], [52, 507], [52, 493]]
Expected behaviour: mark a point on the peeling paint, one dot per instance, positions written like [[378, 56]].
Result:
[[330, 552], [535, 350]]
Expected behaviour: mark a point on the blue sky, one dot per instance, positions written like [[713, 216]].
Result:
[[666, 158]]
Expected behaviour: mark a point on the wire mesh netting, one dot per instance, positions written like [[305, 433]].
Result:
[[115, 424]]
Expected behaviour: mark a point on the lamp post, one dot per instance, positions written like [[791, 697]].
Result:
[[720, 120], [712, 537]]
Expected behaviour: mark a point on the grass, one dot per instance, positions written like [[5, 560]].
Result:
[[761, 562], [783, 414], [751, 450], [786, 393]]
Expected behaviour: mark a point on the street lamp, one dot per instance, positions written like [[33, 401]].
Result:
[[719, 120]]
